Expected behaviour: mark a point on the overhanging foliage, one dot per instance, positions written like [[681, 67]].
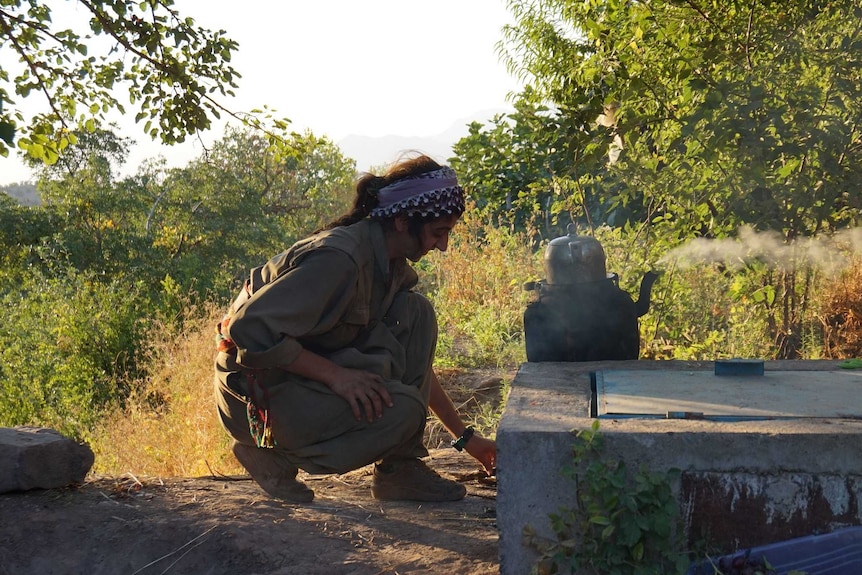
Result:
[[171, 69]]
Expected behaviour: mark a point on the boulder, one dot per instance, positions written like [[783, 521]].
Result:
[[40, 458]]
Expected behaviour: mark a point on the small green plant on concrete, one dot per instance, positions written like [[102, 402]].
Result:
[[624, 523]]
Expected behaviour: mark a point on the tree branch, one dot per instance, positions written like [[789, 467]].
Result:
[[7, 30]]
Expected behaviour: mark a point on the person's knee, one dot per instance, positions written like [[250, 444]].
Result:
[[413, 308], [407, 413], [423, 309]]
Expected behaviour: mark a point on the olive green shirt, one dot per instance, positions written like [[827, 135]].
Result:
[[327, 292]]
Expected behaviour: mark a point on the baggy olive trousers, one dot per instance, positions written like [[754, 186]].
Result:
[[313, 428]]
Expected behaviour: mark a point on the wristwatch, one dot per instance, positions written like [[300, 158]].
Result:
[[462, 441]]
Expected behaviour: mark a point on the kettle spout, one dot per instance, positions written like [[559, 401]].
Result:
[[643, 303]]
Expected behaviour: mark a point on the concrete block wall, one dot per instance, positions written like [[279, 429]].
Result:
[[743, 483]]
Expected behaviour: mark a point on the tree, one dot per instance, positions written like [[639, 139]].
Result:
[[87, 275], [248, 198], [99, 218], [728, 114], [171, 69], [24, 193], [508, 167], [21, 228], [101, 149], [255, 192], [525, 168]]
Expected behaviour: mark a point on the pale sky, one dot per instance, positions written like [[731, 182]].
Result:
[[348, 67]]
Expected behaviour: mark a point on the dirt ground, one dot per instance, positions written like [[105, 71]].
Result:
[[227, 525]]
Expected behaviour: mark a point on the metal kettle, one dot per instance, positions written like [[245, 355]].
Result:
[[574, 259]]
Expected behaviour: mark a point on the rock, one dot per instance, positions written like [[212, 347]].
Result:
[[488, 391], [490, 384], [40, 458]]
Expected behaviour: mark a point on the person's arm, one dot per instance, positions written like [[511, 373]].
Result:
[[484, 450], [305, 300]]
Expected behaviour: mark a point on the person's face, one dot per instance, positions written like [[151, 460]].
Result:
[[432, 235]]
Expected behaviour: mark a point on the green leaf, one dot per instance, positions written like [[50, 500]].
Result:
[[7, 132], [33, 149]]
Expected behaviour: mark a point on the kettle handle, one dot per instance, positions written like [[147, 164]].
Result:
[[573, 257], [572, 231]]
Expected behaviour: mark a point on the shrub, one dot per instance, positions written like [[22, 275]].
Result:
[[67, 348], [169, 425], [477, 290], [624, 523]]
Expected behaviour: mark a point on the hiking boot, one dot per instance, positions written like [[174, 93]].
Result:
[[273, 473], [412, 480]]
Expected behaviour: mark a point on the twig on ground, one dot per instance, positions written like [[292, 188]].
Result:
[[135, 480], [218, 475], [108, 498], [175, 551]]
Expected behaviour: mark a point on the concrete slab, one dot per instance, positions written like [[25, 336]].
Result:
[[746, 483], [651, 393]]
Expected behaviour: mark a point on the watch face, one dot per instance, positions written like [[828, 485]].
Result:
[[462, 441]]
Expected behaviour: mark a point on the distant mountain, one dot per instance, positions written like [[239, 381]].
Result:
[[24, 193], [372, 153]]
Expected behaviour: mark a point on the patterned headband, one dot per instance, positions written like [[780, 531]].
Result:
[[434, 193]]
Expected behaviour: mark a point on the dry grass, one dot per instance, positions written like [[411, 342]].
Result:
[[478, 395], [477, 291], [841, 314], [169, 427]]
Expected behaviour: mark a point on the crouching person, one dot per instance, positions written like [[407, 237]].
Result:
[[325, 357]]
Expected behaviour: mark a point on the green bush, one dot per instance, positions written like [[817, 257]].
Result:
[[67, 349]]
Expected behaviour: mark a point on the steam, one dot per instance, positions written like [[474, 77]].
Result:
[[829, 254]]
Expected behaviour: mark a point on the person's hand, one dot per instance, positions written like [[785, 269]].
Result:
[[363, 390], [485, 451]]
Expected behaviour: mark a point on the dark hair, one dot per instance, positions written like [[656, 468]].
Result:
[[369, 184]]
